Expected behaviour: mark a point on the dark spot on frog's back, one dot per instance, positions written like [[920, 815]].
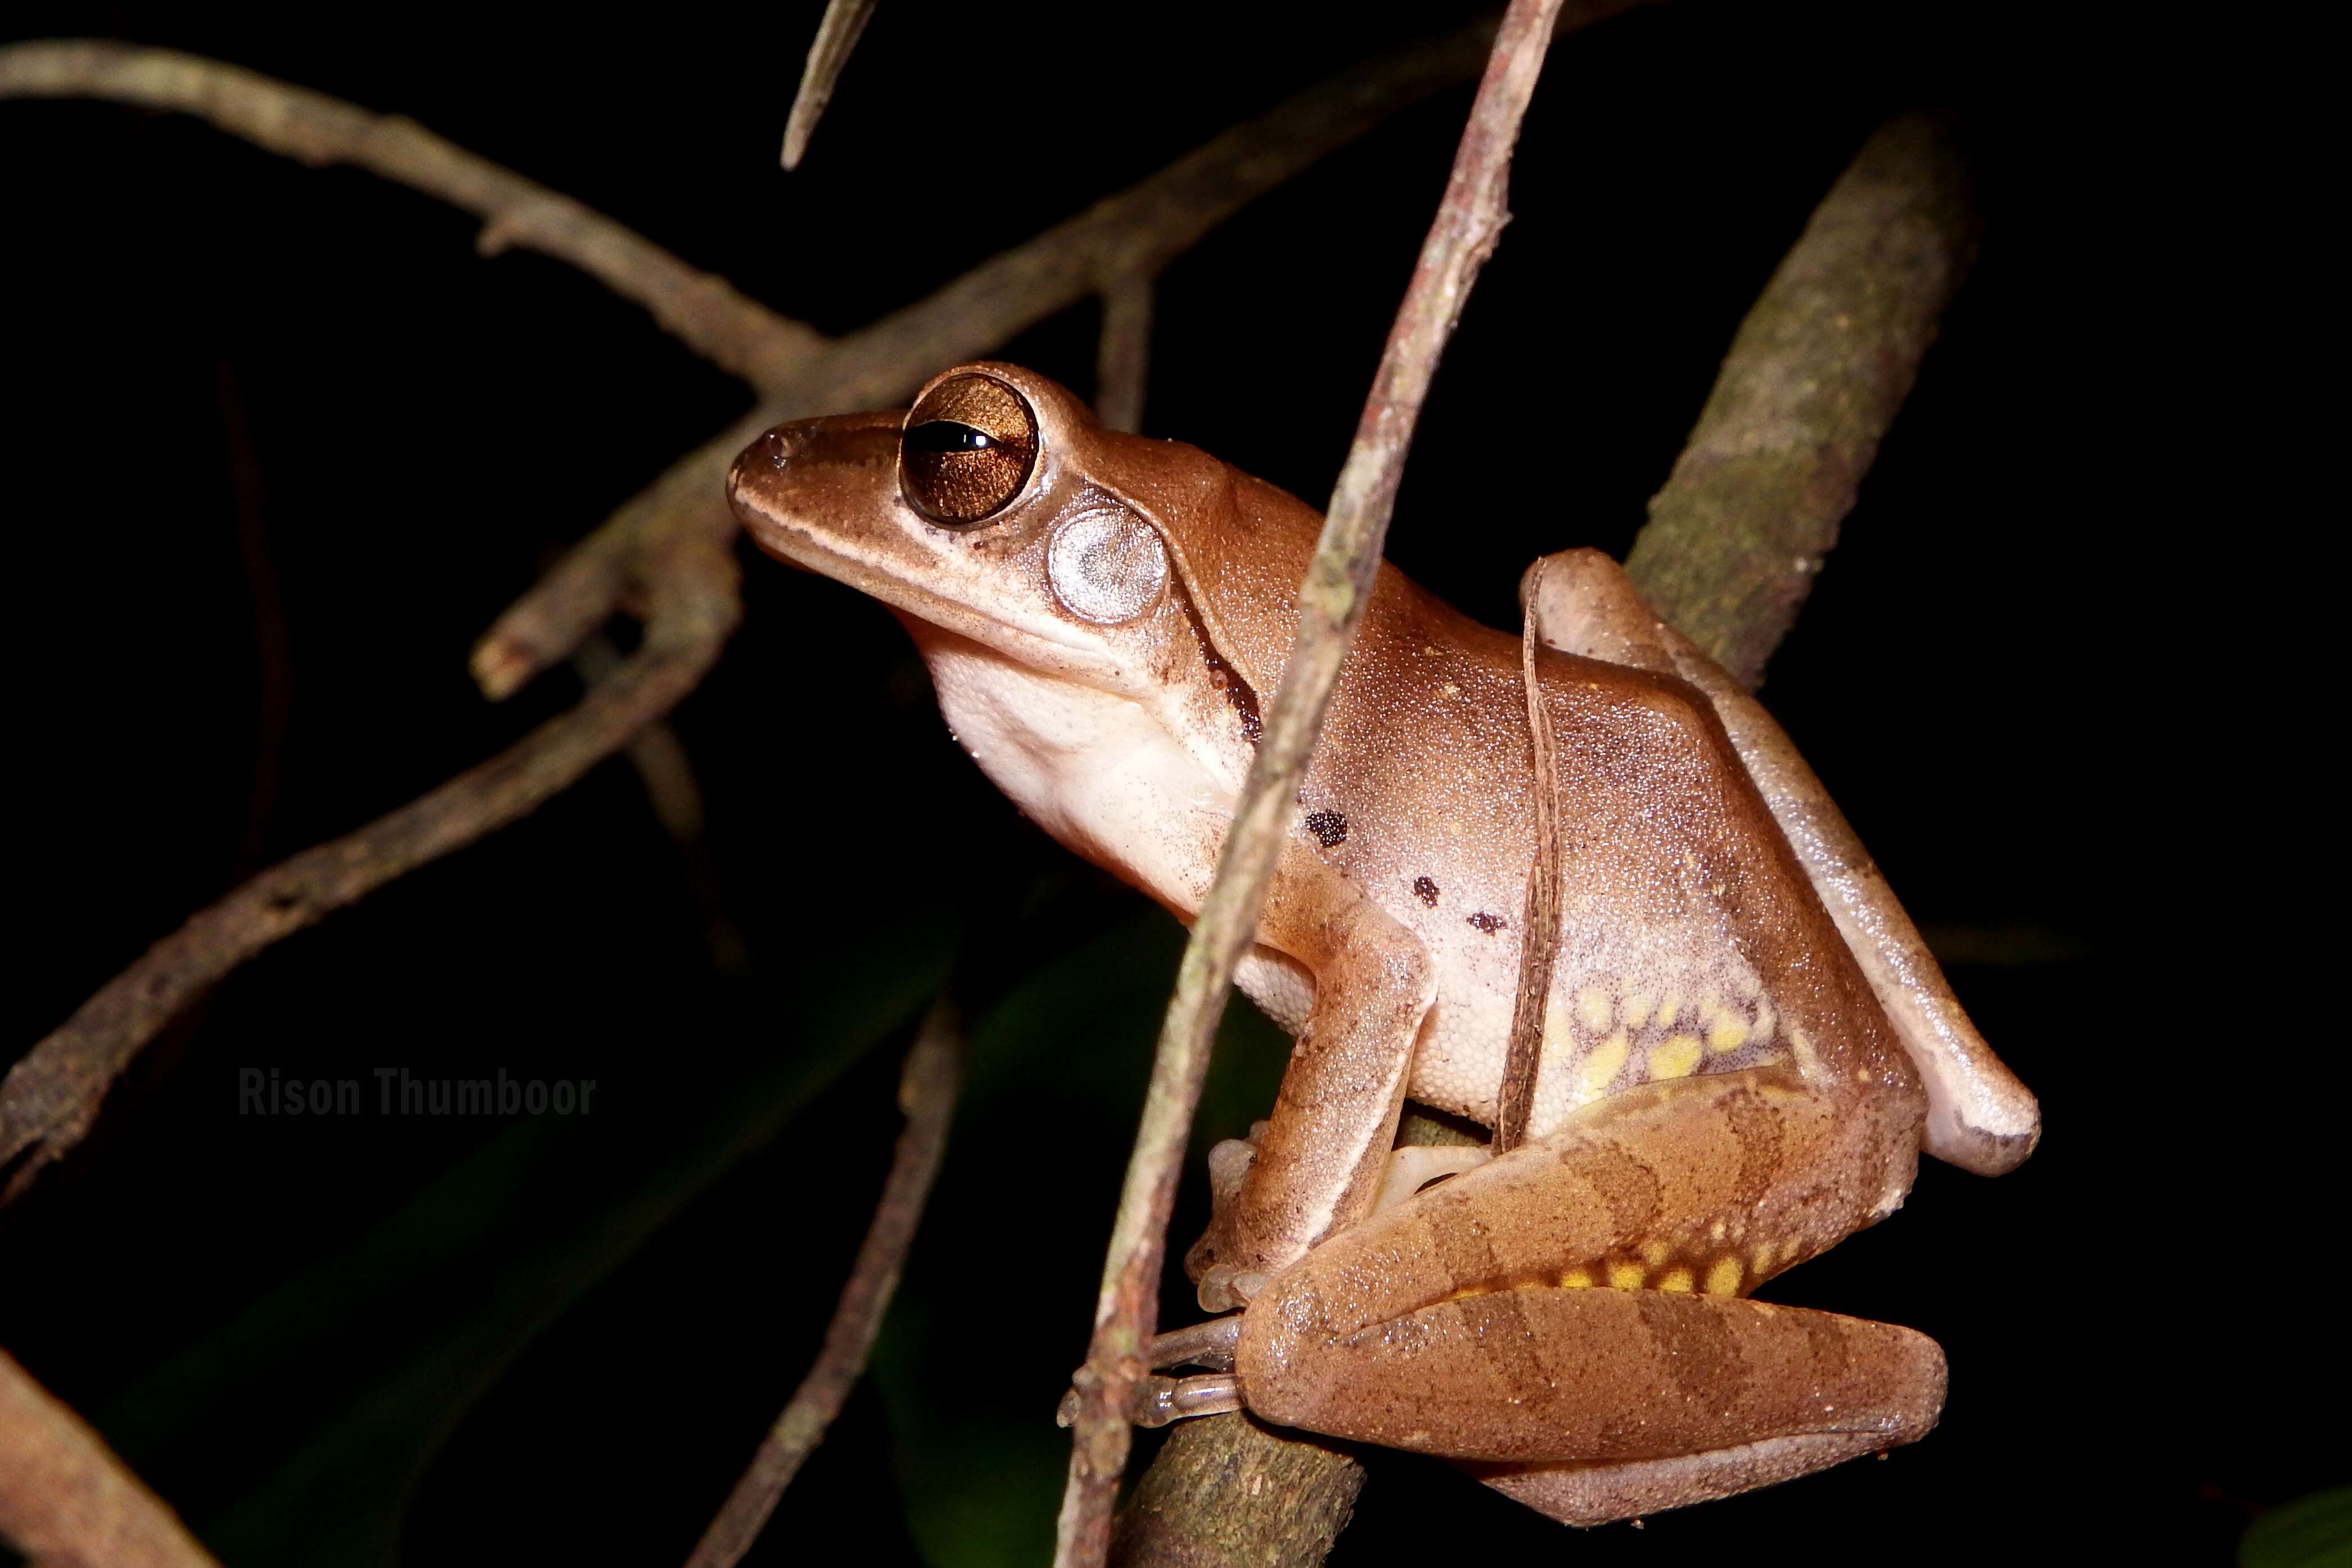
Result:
[[1489, 923], [1425, 891], [1329, 827]]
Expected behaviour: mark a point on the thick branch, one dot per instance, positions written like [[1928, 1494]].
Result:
[[927, 1094], [1812, 381], [66, 1501], [713, 318], [1470, 218]]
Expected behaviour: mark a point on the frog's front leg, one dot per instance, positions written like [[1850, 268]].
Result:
[[1321, 1157], [1567, 1317]]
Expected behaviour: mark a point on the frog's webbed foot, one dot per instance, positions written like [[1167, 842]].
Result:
[[1211, 1264]]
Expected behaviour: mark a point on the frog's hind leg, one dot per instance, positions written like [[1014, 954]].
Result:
[[1594, 1404], [1573, 1311], [1980, 1117], [1598, 1494]]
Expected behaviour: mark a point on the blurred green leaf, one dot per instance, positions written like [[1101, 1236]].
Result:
[[2313, 1532]]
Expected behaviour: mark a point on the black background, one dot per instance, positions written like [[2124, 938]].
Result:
[[278, 447]]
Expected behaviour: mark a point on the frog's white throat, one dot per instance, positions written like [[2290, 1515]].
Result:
[[1104, 774]]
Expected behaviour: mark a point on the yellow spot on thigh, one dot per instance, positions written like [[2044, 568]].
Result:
[[1599, 1067], [1674, 1279], [1723, 1279], [1595, 1009], [1625, 1276], [1674, 1057], [1716, 1230], [1670, 1007], [1638, 1007], [1764, 1251], [1726, 1031], [1654, 1253], [1575, 1279]]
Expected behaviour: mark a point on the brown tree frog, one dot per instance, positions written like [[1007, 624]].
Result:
[[1745, 1047]]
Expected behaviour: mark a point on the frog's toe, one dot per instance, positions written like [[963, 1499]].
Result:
[[1222, 1286]]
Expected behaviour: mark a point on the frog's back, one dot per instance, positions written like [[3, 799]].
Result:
[[1692, 940]]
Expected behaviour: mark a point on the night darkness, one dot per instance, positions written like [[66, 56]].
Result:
[[280, 446]]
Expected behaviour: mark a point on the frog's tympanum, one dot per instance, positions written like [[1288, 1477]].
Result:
[[1745, 1044]]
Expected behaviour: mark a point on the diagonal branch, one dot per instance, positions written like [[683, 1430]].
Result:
[[837, 35], [1813, 379], [705, 311], [50, 1097], [927, 1094], [1470, 218], [66, 1501]]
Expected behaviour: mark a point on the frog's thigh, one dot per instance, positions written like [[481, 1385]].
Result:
[[1709, 1184], [1980, 1117], [1630, 1385]]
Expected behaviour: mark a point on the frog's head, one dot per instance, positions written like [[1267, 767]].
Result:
[[996, 509]]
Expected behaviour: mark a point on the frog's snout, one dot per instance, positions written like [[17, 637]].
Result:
[[773, 453]]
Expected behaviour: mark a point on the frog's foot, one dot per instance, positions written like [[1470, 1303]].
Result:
[[1159, 1400], [1214, 1262], [1209, 1345]]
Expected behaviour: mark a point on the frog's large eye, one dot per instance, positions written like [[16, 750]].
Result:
[[968, 450]]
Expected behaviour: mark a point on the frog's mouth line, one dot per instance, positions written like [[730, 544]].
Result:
[[1044, 647]]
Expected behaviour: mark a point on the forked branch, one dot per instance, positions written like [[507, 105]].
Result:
[[667, 554]]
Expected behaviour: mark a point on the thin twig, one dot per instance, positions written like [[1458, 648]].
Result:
[[50, 1098], [665, 774], [707, 313], [1813, 379], [1123, 357], [1338, 580], [837, 35], [1539, 925], [670, 544], [66, 1501], [927, 1095]]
